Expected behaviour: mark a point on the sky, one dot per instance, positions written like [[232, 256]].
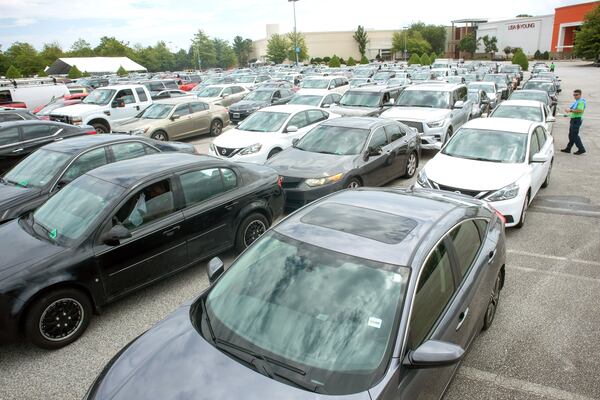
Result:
[[175, 22]]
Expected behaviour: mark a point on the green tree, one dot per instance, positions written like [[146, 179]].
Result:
[[507, 50], [435, 35], [425, 60], [469, 44], [364, 60], [242, 48], [203, 50], [351, 62], [111, 47], [3, 62], [80, 48], [414, 59], [490, 45], [362, 39], [164, 57], [415, 43], [74, 73], [42, 74], [85, 74], [326, 59], [545, 55], [432, 57], [587, 40], [537, 55], [301, 43], [182, 60], [13, 73], [25, 58], [335, 62], [50, 53], [145, 56], [226, 57], [521, 59], [121, 71], [278, 49]]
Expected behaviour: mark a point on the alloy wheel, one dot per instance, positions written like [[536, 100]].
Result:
[[411, 166], [216, 129], [61, 319], [253, 231]]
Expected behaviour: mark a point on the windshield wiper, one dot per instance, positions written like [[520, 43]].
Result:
[[10, 181]]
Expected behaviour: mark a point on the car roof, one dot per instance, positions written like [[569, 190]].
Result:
[[358, 122], [417, 211], [289, 108], [76, 144], [440, 87], [24, 122], [129, 173], [520, 103], [180, 99], [374, 88], [501, 124]]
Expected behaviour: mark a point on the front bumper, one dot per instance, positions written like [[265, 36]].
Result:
[[9, 319], [256, 158], [432, 138], [300, 194], [238, 116]]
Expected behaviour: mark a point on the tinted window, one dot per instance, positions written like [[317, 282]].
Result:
[[229, 178], [32, 132], [228, 90], [434, 290], [153, 202], [335, 97], [141, 94], [237, 89], [86, 162], [535, 145], [201, 185], [9, 136], [125, 151], [182, 110], [466, 243], [10, 117], [299, 120], [197, 107], [394, 132], [315, 116], [379, 139], [171, 85], [126, 95]]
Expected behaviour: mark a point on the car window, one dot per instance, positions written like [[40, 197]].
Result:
[[141, 94], [4, 117], [379, 139], [238, 89], [9, 136], [541, 136], [434, 290], [299, 120], [197, 107], [126, 151], [171, 85], [276, 95], [200, 185], [335, 97], [467, 242], [535, 145], [84, 163], [315, 116], [327, 100], [229, 179], [182, 110], [227, 90], [153, 202], [394, 132], [32, 132], [126, 95]]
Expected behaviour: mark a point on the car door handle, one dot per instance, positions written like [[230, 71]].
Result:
[[462, 318], [58, 139], [491, 256], [231, 205], [137, 108], [17, 150], [171, 232]]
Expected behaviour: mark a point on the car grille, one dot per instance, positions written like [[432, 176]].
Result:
[[60, 118], [226, 152], [473, 193], [413, 124], [291, 183]]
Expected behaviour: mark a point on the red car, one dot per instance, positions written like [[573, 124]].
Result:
[[188, 82], [43, 112]]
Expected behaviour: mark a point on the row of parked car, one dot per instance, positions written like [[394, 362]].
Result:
[[88, 219]]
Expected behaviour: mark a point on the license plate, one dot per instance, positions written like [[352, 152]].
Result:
[[236, 115]]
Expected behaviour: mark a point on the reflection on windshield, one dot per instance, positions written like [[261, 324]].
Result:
[[360, 99], [315, 83], [99, 96], [264, 121], [482, 86], [334, 140], [521, 95], [486, 145], [424, 98], [545, 86], [519, 112], [210, 92], [259, 95], [157, 111], [306, 100], [37, 169], [246, 79], [298, 303]]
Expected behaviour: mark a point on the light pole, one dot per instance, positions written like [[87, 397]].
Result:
[[295, 34], [405, 30]]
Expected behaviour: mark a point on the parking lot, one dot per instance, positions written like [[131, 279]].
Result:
[[543, 344]]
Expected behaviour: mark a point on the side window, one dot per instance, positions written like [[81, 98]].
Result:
[[434, 290], [394, 132], [332, 84], [84, 163], [328, 100], [171, 85], [238, 89], [467, 241], [153, 202], [335, 97], [141, 94], [541, 136], [229, 179], [5, 96], [10, 117], [197, 107], [9, 136], [462, 92], [379, 139], [182, 110], [32, 132], [277, 95], [315, 116], [201, 185], [535, 145], [299, 120], [126, 95], [227, 91], [125, 151]]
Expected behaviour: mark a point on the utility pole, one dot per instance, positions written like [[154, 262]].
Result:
[[405, 29], [296, 49]]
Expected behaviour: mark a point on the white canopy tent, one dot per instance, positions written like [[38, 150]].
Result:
[[94, 65]]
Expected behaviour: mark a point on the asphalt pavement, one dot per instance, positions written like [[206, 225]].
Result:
[[544, 343]]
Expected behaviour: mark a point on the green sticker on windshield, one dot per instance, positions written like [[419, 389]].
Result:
[[52, 234], [23, 183]]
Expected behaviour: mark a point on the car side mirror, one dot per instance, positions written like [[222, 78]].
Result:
[[215, 269], [434, 354], [539, 158], [327, 105], [61, 184], [389, 103], [485, 101], [484, 115], [118, 103], [223, 96], [551, 119], [291, 129], [459, 104], [114, 236], [175, 116], [295, 142]]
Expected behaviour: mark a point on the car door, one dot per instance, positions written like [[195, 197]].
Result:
[[537, 169], [129, 109], [211, 204], [375, 169], [11, 150], [227, 97], [143, 99], [157, 246], [201, 117], [398, 149], [182, 122], [34, 136], [84, 162], [546, 143], [548, 118], [238, 94], [300, 121]]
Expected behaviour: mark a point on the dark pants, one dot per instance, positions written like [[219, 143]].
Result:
[[574, 138]]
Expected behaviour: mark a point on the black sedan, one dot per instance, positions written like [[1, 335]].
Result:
[[121, 227], [18, 139], [257, 99], [32, 181], [346, 153], [365, 295]]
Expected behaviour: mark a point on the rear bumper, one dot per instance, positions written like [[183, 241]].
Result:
[[299, 197], [238, 116]]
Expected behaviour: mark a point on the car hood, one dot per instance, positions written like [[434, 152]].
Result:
[[236, 139], [467, 174], [248, 104], [210, 99], [313, 91], [173, 361], [10, 194], [348, 111], [416, 113], [305, 164], [76, 110], [138, 123]]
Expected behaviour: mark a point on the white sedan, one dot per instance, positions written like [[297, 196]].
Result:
[[267, 132], [500, 160], [525, 109]]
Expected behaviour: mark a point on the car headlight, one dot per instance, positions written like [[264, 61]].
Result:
[[255, 148], [506, 193], [76, 120], [436, 124], [422, 179], [324, 181], [140, 131]]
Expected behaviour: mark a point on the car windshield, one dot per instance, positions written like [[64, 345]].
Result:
[[330, 314], [315, 83], [259, 95], [68, 215], [473, 96], [214, 91], [99, 97], [50, 107], [519, 112], [338, 140], [439, 74], [421, 76], [157, 111], [308, 100], [487, 145], [424, 98], [509, 69], [38, 169], [499, 79], [545, 86], [382, 76], [264, 121], [360, 99], [246, 79], [397, 81], [488, 88], [525, 95], [363, 73]]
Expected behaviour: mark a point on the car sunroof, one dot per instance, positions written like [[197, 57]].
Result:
[[372, 224]]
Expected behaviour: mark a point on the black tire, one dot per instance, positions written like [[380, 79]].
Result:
[[100, 128], [273, 152], [63, 305], [492, 307], [251, 228], [353, 183], [523, 213], [547, 180], [449, 133], [216, 128], [412, 163], [160, 135]]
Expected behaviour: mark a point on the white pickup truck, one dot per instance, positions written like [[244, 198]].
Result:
[[105, 107]]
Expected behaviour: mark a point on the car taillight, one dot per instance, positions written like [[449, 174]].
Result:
[[280, 182], [500, 215], [92, 132]]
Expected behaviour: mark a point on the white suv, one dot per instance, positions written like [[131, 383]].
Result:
[[105, 107], [435, 110]]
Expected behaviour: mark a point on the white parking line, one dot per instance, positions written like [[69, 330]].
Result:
[[518, 384], [557, 258], [555, 273]]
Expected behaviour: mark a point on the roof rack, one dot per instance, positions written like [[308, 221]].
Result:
[[27, 82]]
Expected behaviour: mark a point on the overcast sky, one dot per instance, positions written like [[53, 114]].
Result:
[[147, 21]]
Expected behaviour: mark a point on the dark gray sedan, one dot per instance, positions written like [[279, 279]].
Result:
[[364, 295], [346, 153], [257, 99]]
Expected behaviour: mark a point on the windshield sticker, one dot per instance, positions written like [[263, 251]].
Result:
[[23, 183], [374, 322], [52, 234], [322, 317]]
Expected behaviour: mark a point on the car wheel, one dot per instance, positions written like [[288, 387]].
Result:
[[411, 165], [354, 183], [523, 212], [490, 313], [160, 135], [273, 152], [547, 180], [216, 128], [448, 134], [100, 128], [251, 228], [58, 318]]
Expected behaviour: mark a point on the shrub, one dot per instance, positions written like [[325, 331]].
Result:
[[121, 71], [74, 73], [364, 60], [351, 62], [326, 59], [334, 62], [13, 73], [414, 59], [425, 60], [521, 59], [545, 55]]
